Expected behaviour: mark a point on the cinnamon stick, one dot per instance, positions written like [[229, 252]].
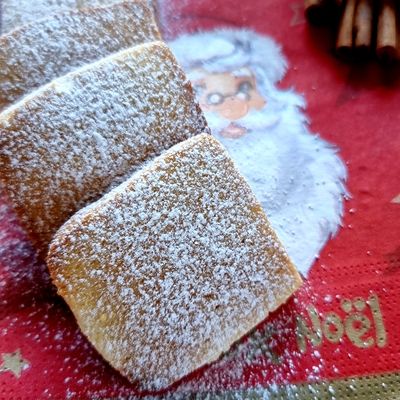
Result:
[[386, 41], [344, 40], [397, 34], [363, 27]]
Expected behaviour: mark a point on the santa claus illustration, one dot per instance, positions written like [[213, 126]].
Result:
[[297, 176]]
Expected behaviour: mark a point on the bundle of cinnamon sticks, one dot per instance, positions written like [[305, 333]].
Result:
[[365, 28]]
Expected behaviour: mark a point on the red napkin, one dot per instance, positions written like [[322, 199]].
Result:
[[338, 337]]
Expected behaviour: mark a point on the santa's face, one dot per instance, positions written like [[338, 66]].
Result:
[[230, 97], [254, 133]]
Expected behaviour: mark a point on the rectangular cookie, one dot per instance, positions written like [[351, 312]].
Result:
[[168, 270], [34, 54], [15, 13], [69, 142]]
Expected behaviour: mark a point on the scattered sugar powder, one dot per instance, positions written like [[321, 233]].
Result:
[[21, 12], [21, 273], [34, 54], [169, 269], [84, 132]]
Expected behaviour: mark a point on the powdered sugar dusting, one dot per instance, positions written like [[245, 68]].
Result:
[[169, 269], [21, 274], [84, 132], [21, 12], [35, 54]]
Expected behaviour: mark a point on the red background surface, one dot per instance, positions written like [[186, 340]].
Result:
[[354, 107]]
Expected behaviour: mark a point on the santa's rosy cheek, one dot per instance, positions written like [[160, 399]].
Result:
[[257, 101]]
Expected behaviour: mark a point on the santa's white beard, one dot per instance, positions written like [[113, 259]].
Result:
[[297, 176]]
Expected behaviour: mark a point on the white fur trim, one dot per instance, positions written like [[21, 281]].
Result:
[[229, 49]]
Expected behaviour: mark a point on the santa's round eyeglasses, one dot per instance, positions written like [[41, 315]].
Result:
[[217, 98]]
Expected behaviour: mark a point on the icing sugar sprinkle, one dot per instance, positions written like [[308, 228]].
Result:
[[34, 54], [84, 132], [21, 12], [170, 268]]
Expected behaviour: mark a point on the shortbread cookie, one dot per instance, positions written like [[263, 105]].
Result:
[[35, 54], [15, 13], [169, 269], [67, 143]]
